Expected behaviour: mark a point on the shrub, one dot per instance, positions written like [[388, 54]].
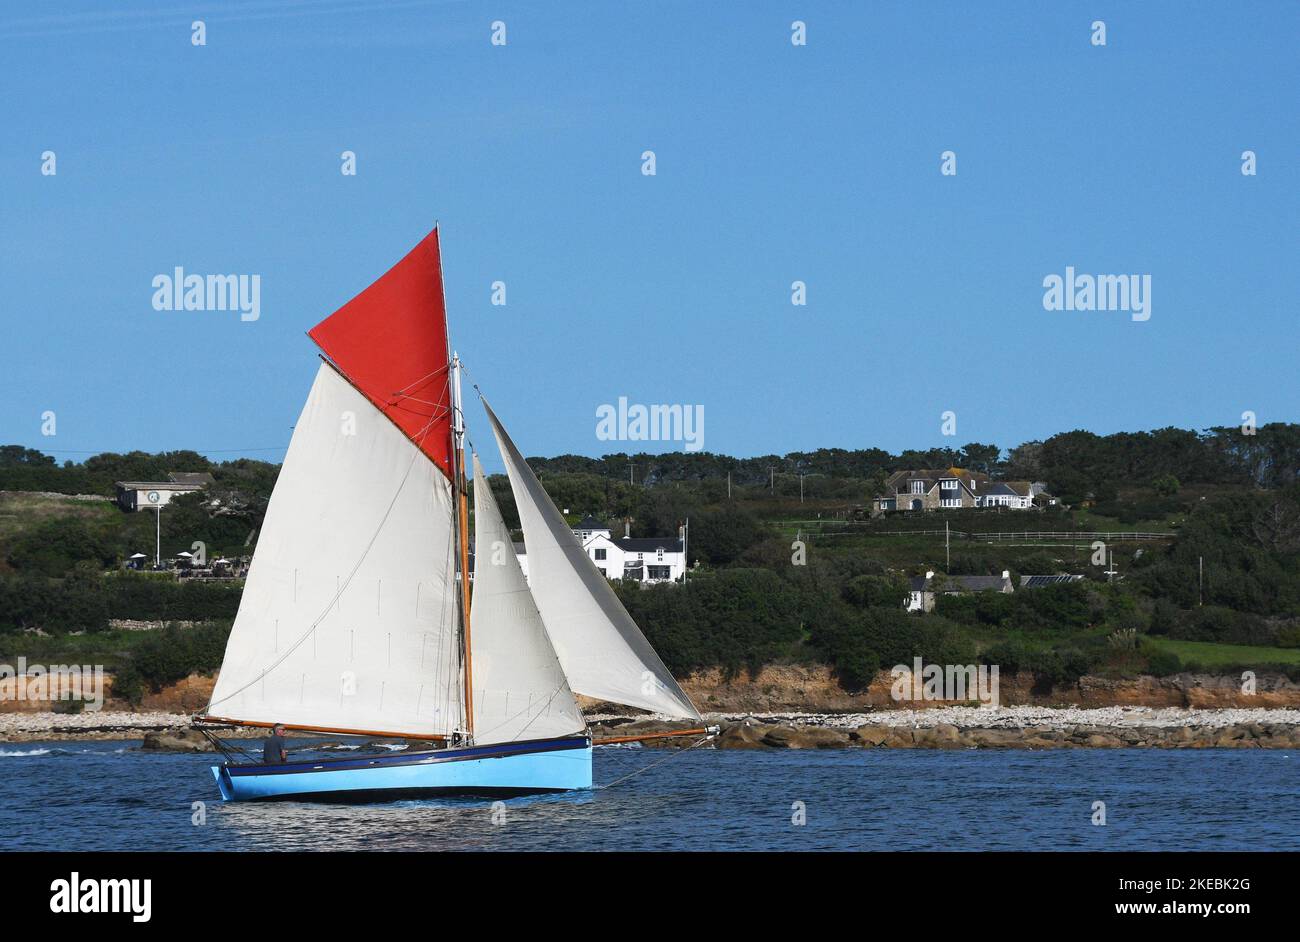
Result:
[[1009, 656], [1160, 663], [872, 591], [169, 655]]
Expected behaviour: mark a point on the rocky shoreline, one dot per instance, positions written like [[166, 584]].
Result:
[[1001, 728], [1021, 727]]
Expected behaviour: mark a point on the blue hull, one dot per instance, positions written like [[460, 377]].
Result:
[[499, 771]]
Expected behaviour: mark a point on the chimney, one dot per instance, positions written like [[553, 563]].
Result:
[[929, 575], [1006, 574]]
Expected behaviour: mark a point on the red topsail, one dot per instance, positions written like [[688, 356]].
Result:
[[390, 341]]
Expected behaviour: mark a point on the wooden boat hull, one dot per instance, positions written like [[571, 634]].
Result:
[[498, 771]]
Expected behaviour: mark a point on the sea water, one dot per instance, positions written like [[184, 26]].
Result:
[[112, 796]]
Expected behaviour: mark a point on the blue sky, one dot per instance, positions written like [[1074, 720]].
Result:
[[775, 163]]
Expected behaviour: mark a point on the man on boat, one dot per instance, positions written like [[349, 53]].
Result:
[[273, 746]]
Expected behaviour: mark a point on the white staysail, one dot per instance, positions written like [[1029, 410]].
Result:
[[348, 617], [603, 652], [519, 689]]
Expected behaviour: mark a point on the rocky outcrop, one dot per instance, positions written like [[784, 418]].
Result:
[[805, 737], [814, 689], [948, 736], [176, 740]]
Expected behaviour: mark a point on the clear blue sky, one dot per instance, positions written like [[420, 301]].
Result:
[[775, 163]]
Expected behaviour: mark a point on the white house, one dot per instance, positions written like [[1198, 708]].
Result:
[[136, 495], [647, 560], [1018, 495]]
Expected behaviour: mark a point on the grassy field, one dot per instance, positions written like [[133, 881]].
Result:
[[108, 648], [1220, 655], [20, 511]]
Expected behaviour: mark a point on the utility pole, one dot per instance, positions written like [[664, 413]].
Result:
[[157, 538], [801, 487], [686, 542], [947, 552], [631, 472], [1200, 580]]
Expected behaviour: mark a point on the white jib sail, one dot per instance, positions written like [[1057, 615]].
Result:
[[348, 617], [519, 689], [603, 652]]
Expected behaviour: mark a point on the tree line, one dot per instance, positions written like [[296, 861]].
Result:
[[1071, 463]]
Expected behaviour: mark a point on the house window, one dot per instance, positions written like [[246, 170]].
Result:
[[918, 487], [658, 572], [640, 556], [659, 555], [948, 485], [599, 554]]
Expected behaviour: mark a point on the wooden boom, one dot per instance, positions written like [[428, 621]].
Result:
[[709, 730], [223, 721]]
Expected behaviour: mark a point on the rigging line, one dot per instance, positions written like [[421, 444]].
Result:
[[672, 755], [402, 390], [425, 402], [338, 593]]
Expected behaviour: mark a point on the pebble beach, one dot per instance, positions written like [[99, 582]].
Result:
[[938, 727]]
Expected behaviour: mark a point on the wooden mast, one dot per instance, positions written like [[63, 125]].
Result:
[[461, 500], [462, 515]]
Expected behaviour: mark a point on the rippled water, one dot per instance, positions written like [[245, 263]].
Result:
[[110, 796]]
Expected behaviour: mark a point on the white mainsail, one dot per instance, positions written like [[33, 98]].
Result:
[[348, 617], [603, 652], [519, 689]]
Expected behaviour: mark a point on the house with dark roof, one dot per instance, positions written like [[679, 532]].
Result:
[[647, 560], [929, 489], [136, 495], [924, 590]]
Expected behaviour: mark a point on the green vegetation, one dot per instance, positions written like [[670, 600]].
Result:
[[1222, 590], [1198, 654], [164, 657]]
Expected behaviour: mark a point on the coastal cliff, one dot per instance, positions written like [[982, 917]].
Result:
[[814, 689]]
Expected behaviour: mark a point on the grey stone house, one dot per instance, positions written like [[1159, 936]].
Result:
[[924, 590]]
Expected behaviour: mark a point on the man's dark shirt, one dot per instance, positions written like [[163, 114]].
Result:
[[272, 747]]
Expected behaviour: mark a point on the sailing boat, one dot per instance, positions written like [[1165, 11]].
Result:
[[357, 616]]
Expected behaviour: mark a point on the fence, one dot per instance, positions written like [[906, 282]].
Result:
[[1033, 536]]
